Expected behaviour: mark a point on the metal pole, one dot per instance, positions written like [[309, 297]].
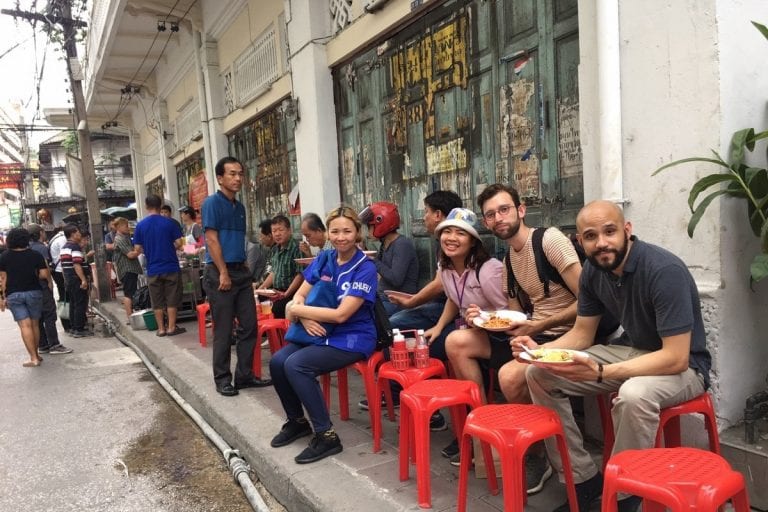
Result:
[[86, 153], [64, 18]]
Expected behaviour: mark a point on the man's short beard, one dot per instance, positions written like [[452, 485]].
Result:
[[618, 260], [513, 230]]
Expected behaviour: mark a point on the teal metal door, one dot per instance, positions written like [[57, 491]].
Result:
[[471, 93]]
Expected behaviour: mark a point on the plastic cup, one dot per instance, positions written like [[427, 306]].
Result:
[[266, 307]]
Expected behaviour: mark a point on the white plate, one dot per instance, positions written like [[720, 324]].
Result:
[[304, 261], [526, 357], [265, 292], [506, 314]]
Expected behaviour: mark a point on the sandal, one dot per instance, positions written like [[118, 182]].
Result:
[[160, 334], [177, 330], [31, 364]]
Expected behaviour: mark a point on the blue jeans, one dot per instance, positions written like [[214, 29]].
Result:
[[421, 317], [424, 317], [25, 305], [390, 307], [294, 370]]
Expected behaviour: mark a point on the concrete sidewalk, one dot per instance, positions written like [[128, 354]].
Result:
[[354, 480]]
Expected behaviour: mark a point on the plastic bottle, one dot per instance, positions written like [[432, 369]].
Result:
[[421, 355], [398, 353]]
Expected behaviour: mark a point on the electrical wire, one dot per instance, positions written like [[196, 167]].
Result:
[[124, 102], [183, 16]]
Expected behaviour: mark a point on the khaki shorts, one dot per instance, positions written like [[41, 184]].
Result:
[[165, 290]]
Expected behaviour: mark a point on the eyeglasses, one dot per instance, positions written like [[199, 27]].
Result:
[[503, 210]]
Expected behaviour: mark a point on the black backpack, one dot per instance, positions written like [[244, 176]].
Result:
[[384, 336], [547, 273]]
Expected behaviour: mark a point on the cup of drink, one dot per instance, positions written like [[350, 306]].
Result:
[[266, 307]]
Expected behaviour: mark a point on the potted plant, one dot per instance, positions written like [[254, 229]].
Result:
[[736, 179]]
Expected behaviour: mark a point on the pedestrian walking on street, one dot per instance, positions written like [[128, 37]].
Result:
[[49, 334], [227, 281], [21, 270]]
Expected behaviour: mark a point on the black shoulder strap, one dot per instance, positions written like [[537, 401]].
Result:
[[544, 268], [537, 241], [511, 283], [513, 290]]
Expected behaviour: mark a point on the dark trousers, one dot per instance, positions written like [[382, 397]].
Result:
[[78, 303], [61, 286], [294, 370], [49, 337], [238, 302], [278, 306]]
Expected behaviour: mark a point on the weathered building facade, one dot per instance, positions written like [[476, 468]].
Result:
[[568, 100]]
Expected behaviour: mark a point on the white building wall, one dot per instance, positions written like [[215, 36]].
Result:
[[743, 351], [681, 95]]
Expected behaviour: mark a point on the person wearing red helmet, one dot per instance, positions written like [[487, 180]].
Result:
[[396, 261]]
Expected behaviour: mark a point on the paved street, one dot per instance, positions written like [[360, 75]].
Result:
[[92, 430]]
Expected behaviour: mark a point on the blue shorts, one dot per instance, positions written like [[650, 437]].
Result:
[[25, 305]]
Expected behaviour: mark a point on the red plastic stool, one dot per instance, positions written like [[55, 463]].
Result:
[[512, 429], [417, 404], [681, 479], [367, 370], [669, 423], [275, 329], [405, 378], [202, 311]]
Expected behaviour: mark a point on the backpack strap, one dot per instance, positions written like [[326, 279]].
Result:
[[546, 271], [513, 290]]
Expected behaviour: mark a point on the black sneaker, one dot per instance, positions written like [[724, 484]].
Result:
[[437, 422], [60, 349], [363, 404], [321, 446], [43, 350], [630, 504], [291, 431], [537, 471], [456, 460], [451, 450], [586, 493], [81, 334]]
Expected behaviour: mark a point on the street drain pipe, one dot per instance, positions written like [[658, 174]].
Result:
[[237, 465]]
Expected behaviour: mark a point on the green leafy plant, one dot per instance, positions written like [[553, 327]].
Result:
[[735, 179]]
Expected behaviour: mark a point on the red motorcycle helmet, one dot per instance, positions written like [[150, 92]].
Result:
[[382, 218]]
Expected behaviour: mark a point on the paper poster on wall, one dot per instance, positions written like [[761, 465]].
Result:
[[198, 190]]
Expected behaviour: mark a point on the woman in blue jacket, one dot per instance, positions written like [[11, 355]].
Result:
[[334, 308]]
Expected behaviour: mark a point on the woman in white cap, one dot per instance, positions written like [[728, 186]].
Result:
[[470, 276]]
